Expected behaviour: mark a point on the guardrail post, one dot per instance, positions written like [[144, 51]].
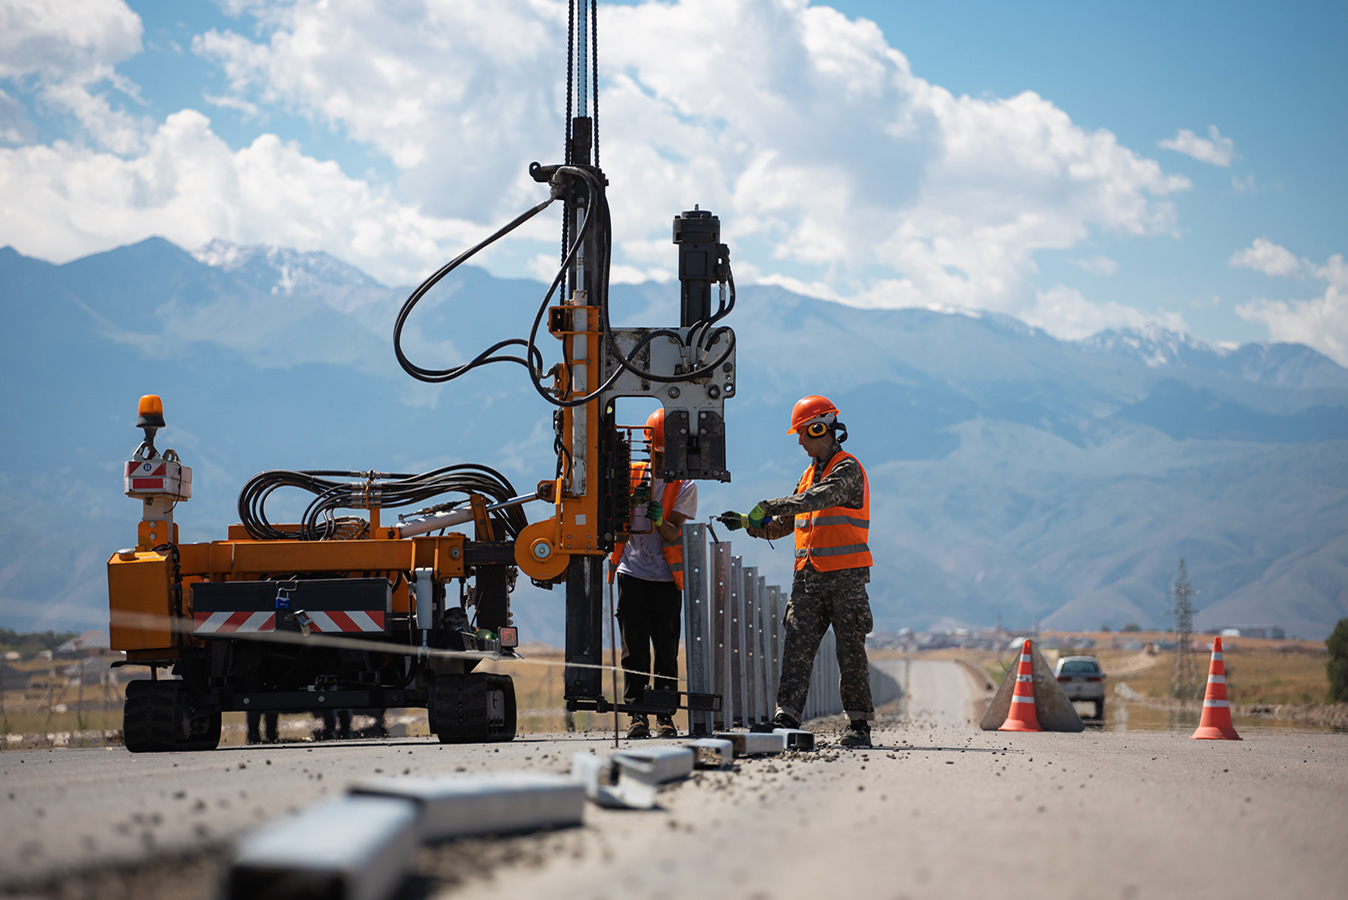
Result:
[[752, 658], [696, 618], [721, 627], [776, 613], [763, 616], [738, 676]]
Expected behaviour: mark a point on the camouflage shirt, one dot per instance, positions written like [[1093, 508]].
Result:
[[844, 486]]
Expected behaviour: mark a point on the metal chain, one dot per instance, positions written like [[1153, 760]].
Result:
[[594, 67], [570, 75], [566, 147]]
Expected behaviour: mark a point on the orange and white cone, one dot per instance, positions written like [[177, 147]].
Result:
[[1022, 715], [1215, 725]]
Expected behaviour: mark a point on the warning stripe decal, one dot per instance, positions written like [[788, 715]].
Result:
[[351, 620], [241, 621], [252, 622]]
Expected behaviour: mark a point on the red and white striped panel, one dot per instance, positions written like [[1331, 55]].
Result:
[[337, 621], [241, 622]]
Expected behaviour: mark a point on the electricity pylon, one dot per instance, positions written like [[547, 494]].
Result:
[[1183, 672]]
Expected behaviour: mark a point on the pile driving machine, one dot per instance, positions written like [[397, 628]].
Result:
[[347, 610]]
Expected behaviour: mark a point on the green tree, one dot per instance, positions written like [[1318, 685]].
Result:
[[1131, 627], [29, 643], [1338, 662]]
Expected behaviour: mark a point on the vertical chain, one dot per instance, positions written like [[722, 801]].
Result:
[[594, 68], [570, 73], [570, 60]]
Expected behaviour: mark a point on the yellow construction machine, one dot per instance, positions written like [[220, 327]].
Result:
[[351, 608]]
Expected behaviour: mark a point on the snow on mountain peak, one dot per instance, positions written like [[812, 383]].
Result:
[[286, 271], [1152, 344]]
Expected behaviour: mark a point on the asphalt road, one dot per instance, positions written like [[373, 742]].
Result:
[[936, 809]]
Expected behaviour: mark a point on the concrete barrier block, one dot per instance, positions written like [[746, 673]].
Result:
[[796, 738], [753, 743], [454, 805], [347, 848], [712, 753], [615, 784], [670, 763]]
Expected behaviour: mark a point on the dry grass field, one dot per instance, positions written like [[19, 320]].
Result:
[[54, 710], [1259, 673]]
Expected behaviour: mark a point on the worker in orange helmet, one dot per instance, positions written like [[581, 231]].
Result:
[[649, 569], [830, 516]]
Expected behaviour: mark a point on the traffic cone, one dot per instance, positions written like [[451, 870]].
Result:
[[1022, 716], [1215, 725]]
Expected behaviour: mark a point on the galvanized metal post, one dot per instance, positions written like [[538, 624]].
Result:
[[737, 638], [696, 639], [749, 649], [777, 612], [721, 623], [765, 695]]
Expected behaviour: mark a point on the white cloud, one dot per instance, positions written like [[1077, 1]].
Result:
[[620, 274], [1321, 322], [237, 104], [1098, 265], [1066, 313], [1267, 257], [825, 156], [15, 126], [456, 95], [70, 48], [65, 39], [1214, 149], [65, 201], [833, 167]]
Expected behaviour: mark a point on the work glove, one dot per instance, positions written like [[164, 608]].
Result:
[[733, 520], [641, 496], [656, 513]]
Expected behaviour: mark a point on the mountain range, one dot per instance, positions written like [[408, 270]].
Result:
[[1015, 477]]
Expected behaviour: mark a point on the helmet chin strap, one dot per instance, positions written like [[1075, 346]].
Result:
[[828, 449]]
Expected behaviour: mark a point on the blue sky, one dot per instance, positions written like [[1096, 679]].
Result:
[[1079, 166]]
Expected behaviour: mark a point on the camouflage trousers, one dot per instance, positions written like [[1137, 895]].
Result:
[[808, 616]]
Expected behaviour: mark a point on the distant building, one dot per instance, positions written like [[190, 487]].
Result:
[[88, 642], [1274, 632], [11, 679]]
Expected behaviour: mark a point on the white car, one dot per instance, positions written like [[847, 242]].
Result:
[[1082, 680]]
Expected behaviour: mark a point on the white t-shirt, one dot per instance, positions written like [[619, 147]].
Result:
[[642, 557]]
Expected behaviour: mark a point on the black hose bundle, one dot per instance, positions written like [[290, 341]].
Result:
[[336, 490], [700, 340]]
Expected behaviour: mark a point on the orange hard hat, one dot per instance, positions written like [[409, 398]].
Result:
[[813, 408], [655, 430]]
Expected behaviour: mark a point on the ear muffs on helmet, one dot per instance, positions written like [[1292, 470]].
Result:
[[817, 429]]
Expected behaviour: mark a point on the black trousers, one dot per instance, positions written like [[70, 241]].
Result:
[[649, 616]]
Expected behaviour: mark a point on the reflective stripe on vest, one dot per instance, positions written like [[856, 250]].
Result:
[[671, 550], [834, 538]]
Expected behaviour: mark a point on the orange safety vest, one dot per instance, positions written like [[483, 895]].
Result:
[[834, 538], [672, 550]]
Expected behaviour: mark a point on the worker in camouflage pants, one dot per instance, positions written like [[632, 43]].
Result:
[[830, 516]]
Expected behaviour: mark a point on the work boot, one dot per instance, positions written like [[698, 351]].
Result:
[[664, 727], [781, 720], [858, 734], [640, 728]]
